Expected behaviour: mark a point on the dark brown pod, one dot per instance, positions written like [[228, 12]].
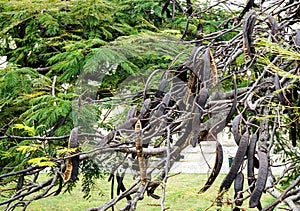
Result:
[[237, 162], [250, 156], [261, 179], [238, 187], [236, 129], [248, 6], [132, 112], [72, 165], [161, 88], [145, 108], [248, 26], [216, 170], [195, 129], [203, 97]]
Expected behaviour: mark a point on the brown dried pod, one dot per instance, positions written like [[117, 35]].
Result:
[[250, 156], [214, 70], [248, 6], [161, 88], [132, 112], [248, 26], [72, 164], [236, 129], [216, 170], [238, 187], [261, 179], [140, 154], [237, 162]]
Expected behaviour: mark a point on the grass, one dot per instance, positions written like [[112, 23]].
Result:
[[181, 195]]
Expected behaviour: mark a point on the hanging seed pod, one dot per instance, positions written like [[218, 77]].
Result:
[[196, 122], [248, 6], [238, 187], [236, 129], [145, 108], [140, 154], [162, 107], [161, 88], [261, 179], [237, 162], [72, 165], [216, 170], [203, 97], [132, 112], [214, 69], [248, 26], [250, 156]]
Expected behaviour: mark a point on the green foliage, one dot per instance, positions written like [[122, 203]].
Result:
[[91, 173]]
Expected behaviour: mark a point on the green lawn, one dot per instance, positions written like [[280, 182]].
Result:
[[181, 195]]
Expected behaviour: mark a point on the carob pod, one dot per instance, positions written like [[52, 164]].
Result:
[[201, 101], [162, 107], [236, 129], [237, 162], [238, 187], [140, 153], [252, 163], [248, 6], [132, 112], [261, 179], [214, 70], [74, 143], [233, 107], [161, 88], [248, 26], [193, 137], [72, 164], [216, 170], [145, 108], [192, 81], [250, 155], [189, 7], [161, 110], [127, 125]]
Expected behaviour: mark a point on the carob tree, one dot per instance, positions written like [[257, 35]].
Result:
[[245, 76]]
